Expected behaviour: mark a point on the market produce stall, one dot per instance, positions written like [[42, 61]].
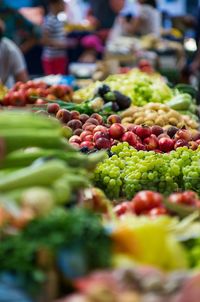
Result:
[[100, 190]]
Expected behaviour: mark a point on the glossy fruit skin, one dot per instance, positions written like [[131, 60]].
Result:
[[157, 212], [97, 117], [116, 131], [172, 131], [166, 144], [63, 115], [99, 134], [180, 143], [183, 134], [112, 119], [157, 130], [143, 131], [189, 198], [103, 143], [87, 144], [151, 142], [74, 124], [100, 128], [123, 208], [130, 138], [83, 117], [53, 108], [146, 201]]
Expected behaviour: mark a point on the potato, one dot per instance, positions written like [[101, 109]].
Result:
[[173, 121], [139, 121]]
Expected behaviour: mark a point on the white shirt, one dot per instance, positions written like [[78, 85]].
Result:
[[151, 18], [11, 60]]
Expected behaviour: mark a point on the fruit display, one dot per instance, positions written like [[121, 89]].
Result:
[[157, 114], [92, 133], [154, 204], [128, 171], [106, 187], [35, 92], [141, 87]]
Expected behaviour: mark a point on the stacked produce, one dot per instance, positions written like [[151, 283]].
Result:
[[35, 92], [94, 135], [128, 171], [141, 87], [157, 114], [39, 169], [135, 192]]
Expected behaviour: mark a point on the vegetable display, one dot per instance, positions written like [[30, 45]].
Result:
[[105, 178]]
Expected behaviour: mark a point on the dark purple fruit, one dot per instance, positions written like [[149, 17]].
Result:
[[172, 131]]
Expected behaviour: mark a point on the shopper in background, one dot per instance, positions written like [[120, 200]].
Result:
[[54, 57], [106, 11], [147, 20], [17, 28], [12, 63]]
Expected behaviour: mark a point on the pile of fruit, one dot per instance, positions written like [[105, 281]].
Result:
[[155, 204], [32, 92], [157, 114], [128, 171], [91, 133], [105, 178]]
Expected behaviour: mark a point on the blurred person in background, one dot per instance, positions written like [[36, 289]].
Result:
[[17, 28], [12, 64], [147, 20], [54, 56], [106, 11]]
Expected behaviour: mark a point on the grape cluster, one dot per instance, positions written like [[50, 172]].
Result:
[[129, 171]]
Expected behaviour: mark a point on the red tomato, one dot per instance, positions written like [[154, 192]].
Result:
[[157, 211], [187, 198], [122, 208], [146, 200]]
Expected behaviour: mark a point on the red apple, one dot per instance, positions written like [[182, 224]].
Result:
[[84, 134], [63, 115], [130, 138], [17, 99], [75, 115], [99, 134], [180, 143], [89, 138], [101, 129], [114, 118], [166, 144], [151, 142], [183, 134], [88, 145], [97, 117], [75, 139], [103, 143], [140, 146], [116, 131], [157, 130], [88, 127], [53, 108], [83, 118], [143, 131], [93, 121], [74, 124]]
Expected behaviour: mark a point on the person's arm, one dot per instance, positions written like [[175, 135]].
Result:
[[18, 64], [133, 26], [21, 76], [32, 31]]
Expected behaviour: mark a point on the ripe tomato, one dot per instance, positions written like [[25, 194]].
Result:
[[123, 208], [157, 212], [146, 200]]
